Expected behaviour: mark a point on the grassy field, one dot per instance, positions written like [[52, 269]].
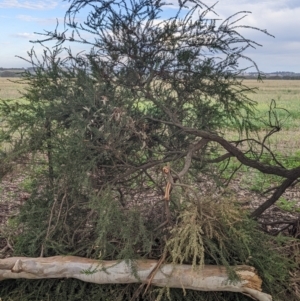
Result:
[[285, 143], [286, 93], [9, 89]]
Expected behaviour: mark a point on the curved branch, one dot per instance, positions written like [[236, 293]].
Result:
[[188, 159], [267, 169], [262, 144], [234, 151]]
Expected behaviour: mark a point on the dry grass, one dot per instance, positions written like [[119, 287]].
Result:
[[9, 89], [275, 85], [285, 92]]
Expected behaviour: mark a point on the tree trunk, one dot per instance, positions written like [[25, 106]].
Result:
[[208, 278]]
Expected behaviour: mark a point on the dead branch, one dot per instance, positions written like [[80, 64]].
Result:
[[207, 278]]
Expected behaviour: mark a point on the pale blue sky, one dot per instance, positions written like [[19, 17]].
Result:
[[19, 19]]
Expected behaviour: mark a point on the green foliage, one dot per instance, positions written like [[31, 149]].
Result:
[[64, 290], [75, 290], [186, 242], [228, 237], [221, 233], [95, 131], [100, 129]]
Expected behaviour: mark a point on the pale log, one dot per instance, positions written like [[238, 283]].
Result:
[[207, 278]]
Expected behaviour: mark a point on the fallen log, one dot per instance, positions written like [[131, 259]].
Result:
[[208, 278]]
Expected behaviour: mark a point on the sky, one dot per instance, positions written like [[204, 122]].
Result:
[[20, 19]]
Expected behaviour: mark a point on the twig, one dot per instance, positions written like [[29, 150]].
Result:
[[278, 223], [154, 271]]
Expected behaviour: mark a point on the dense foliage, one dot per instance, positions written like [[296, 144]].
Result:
[[96, 129]]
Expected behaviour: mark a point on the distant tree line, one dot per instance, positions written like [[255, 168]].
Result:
[[16, 72], [274, 77], [21, 69], [11, 72], [297, 77]]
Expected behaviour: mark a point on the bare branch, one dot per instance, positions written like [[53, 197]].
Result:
[[276, 195], [208, 278]]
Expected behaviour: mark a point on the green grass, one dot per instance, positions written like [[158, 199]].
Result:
[[286, 94], [288, 205]]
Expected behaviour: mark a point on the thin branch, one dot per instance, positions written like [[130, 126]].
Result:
[[279, 222], [220, 159]]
